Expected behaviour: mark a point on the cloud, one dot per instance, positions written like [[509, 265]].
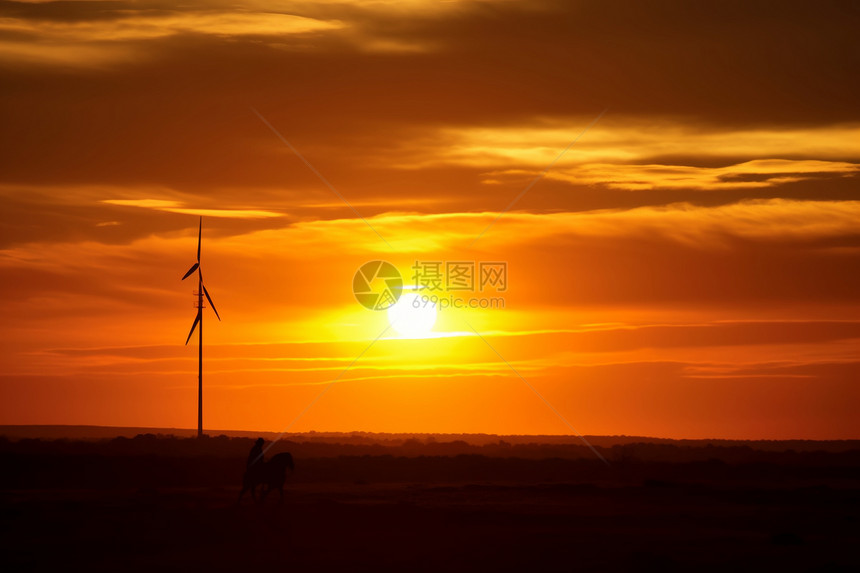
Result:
[[94, 38], [706, 228], [492, 88], [140, 25], [629, 139], [145, 203], [758, 173], [176, 207]]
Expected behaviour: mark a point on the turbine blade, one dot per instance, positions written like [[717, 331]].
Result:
[[212, 304], [193, 326], [199, 236], [191, 270]]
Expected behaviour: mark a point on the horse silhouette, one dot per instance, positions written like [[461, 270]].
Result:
[[271, 475]]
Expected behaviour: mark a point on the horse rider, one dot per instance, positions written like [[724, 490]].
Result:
[[255, 457]]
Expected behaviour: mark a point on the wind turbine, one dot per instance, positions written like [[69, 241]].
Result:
[[201, 291]]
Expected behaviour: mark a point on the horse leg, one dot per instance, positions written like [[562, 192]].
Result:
[[245, 487]]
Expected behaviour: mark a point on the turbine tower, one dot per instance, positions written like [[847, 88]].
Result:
[[201, 291]]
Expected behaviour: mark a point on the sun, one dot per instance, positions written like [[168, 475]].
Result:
[[411, 316]]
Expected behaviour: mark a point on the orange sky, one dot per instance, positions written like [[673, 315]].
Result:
[[688, 268]]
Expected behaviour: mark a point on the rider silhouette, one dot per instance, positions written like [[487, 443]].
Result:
[[255, 457]]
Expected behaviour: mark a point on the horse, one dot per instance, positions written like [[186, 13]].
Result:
[[271, 474]]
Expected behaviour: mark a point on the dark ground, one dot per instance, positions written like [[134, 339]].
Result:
[[169, 504]]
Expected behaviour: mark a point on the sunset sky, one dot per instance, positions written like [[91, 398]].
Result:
[[688, 268]]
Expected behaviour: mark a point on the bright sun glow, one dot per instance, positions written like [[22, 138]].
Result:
[[411, 317]]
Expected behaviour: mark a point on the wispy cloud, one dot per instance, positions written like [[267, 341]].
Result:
[[706, 227], [177, 207], [628, 139], [759, 173], [95, 38]]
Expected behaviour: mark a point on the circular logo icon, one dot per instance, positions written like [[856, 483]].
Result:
[[377, 285]]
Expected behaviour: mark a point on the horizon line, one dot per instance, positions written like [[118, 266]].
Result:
[[219, 432]]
